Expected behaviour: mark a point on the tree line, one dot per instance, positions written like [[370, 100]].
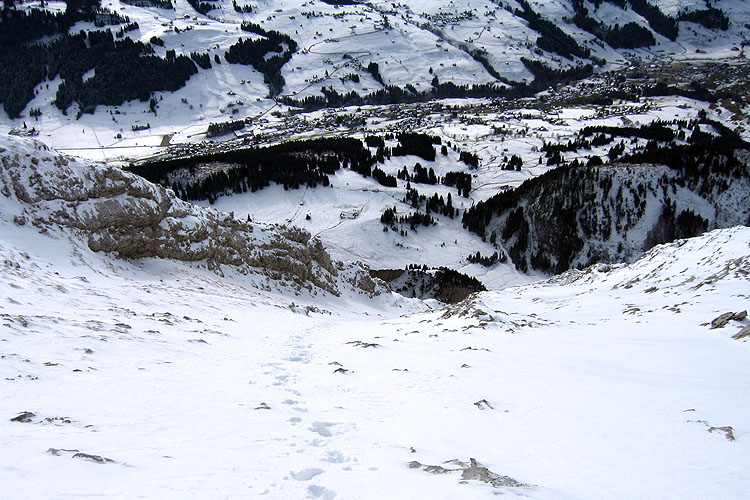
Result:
[[292, 164], [552, 38], [256, 54], [544, 77], [628, 36], [125, 69], [571, 209]]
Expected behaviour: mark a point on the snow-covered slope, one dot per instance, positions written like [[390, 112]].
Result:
[[415, 43], [162, 379], [575, 217], [411, 43], [115, 211]]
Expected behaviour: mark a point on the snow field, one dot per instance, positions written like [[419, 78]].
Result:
[[199, 386]]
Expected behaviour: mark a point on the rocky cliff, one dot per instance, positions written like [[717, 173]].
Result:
[[118, 212]]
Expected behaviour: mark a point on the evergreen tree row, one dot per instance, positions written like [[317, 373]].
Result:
[[420, 174], [470, 159], [461, 180], [202, 7], [544, 77], [711, 18], [478, 258], [629, 36], [341, 2], [513, 163], [125, 70], [383, 178], [374, 69], [18, 27], [127, 28], [552, 38], [656, 130], [217, 129], [393, 94], [696, 91], [421, 145], [297, 163], [256, 54], [658, 21], [162, 4], [243, 9], [202, 60], [435, 204], [390, 218], [291, 164]]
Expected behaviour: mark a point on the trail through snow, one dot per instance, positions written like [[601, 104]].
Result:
[[602, 384]]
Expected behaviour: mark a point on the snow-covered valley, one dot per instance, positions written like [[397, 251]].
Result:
[[207, 209], [161, 378]]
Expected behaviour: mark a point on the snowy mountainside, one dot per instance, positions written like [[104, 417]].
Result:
[[154, 348], [353, 47], [592, 184], [164, 380], [572, 217], [226, 105], [114, 211]]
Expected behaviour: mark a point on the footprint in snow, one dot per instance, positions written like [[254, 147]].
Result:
[[335, 457], [316, 491], [306, 474], [322, 428]]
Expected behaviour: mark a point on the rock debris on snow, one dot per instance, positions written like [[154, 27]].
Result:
[[721, 320], [744, 333], [727, 430], [472, 471], [23, 417], [483, 404]]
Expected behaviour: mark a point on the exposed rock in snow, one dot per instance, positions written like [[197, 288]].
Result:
[[722, 320], [97, 459], [445, 285], [727, 430], [118, 212], [472, 471], [745, 332], [25, 417]]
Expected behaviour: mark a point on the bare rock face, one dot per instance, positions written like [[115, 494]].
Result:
[[24, 417], [744, 333], [721, 320], [118, 212], [485, 475]]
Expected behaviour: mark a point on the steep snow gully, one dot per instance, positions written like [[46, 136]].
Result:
[[174, 373]]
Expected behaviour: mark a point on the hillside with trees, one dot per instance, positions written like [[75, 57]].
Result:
[[577, 215]]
